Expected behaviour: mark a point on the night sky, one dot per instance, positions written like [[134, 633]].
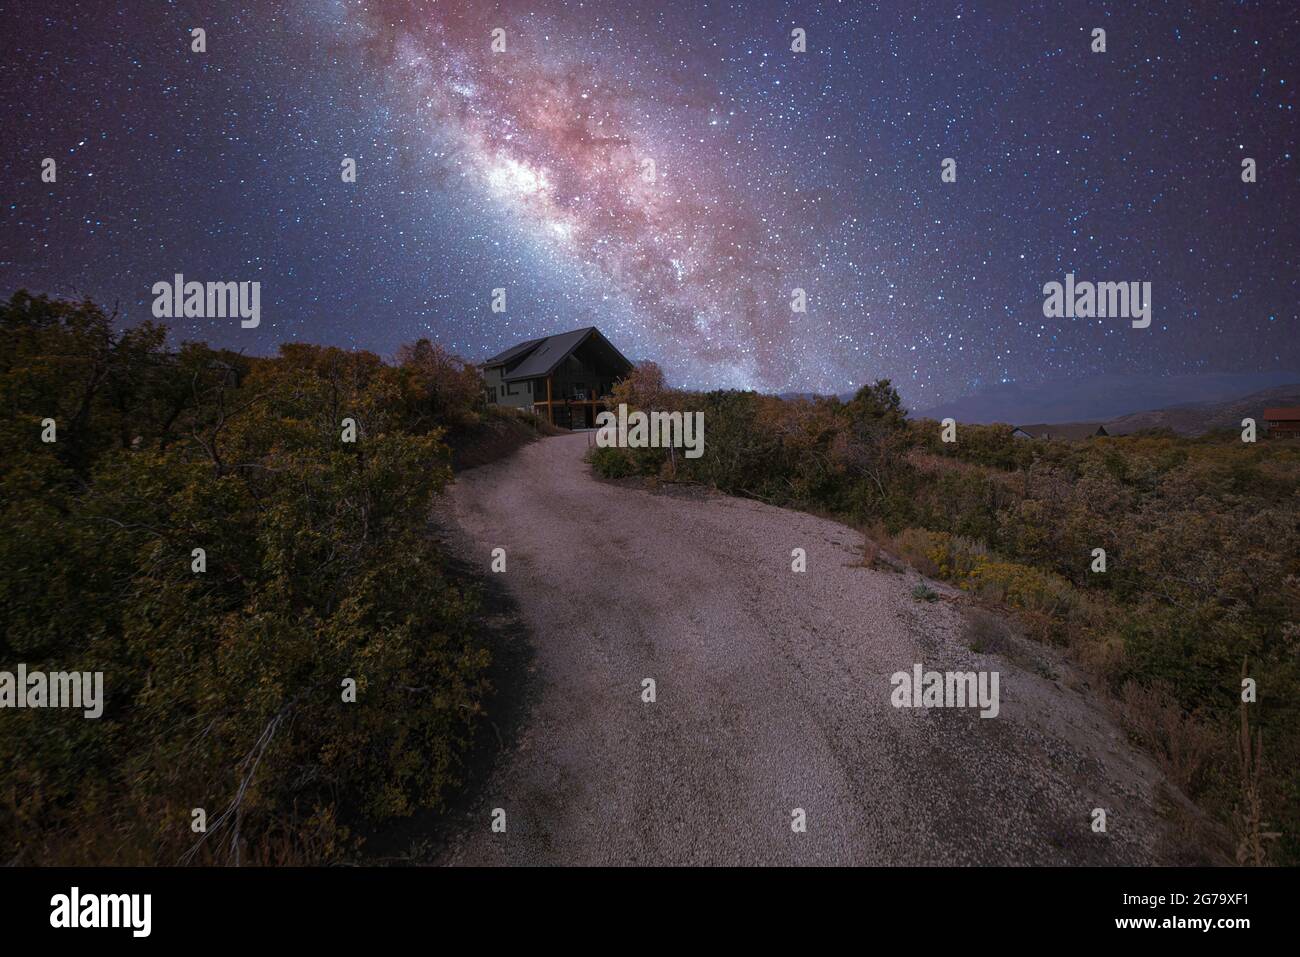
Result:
[[773, 170]]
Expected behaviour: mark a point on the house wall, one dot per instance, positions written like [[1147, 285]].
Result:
[[518, 395]]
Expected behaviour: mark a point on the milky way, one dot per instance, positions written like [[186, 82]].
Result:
[[773, 170], [582, 155]]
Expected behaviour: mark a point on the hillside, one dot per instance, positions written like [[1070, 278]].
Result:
[[1197, 418]]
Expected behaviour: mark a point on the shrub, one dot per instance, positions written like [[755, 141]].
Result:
[[1021, 587], [987, 633], [223, 687], [923, 550], [611, 462], [923, 592]]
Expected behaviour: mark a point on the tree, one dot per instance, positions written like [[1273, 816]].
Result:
[[875, 439], [447, 388]]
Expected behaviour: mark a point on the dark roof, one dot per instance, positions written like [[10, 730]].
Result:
[[540, 357], [501, 358], [549, 353], [1070, 431]]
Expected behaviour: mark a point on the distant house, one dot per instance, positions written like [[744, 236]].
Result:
[[1068, 431], [562, 377], [1284, 420]]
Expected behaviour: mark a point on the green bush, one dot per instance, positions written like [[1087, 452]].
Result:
[[612, 463]]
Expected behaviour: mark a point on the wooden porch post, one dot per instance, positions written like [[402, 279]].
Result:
[[550, 409]]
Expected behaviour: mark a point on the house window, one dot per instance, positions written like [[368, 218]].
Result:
[[492, 393]]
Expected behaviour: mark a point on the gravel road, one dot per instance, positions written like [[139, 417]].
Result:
[[773, 694]]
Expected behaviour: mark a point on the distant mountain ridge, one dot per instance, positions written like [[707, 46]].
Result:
[[1112, 398], [1197, 418]]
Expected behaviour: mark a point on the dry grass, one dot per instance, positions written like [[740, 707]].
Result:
[[1252, 837], [1188, 747], [988, 634]]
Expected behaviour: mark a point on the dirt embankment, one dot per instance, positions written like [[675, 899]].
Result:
[[497, 434]]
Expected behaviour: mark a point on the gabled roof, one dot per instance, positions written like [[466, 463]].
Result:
[[538, 358], [549, 353], [1070, 431], [502, 358]]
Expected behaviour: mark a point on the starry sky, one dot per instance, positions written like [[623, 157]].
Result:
[[773, 170]]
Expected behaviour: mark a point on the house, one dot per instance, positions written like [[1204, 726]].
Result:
[[1067, 431], [1284, 420], [562, 377]]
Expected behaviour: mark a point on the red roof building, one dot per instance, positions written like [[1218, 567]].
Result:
[[1284, 420]]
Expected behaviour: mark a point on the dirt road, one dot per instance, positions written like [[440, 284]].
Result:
[[773, 694]]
